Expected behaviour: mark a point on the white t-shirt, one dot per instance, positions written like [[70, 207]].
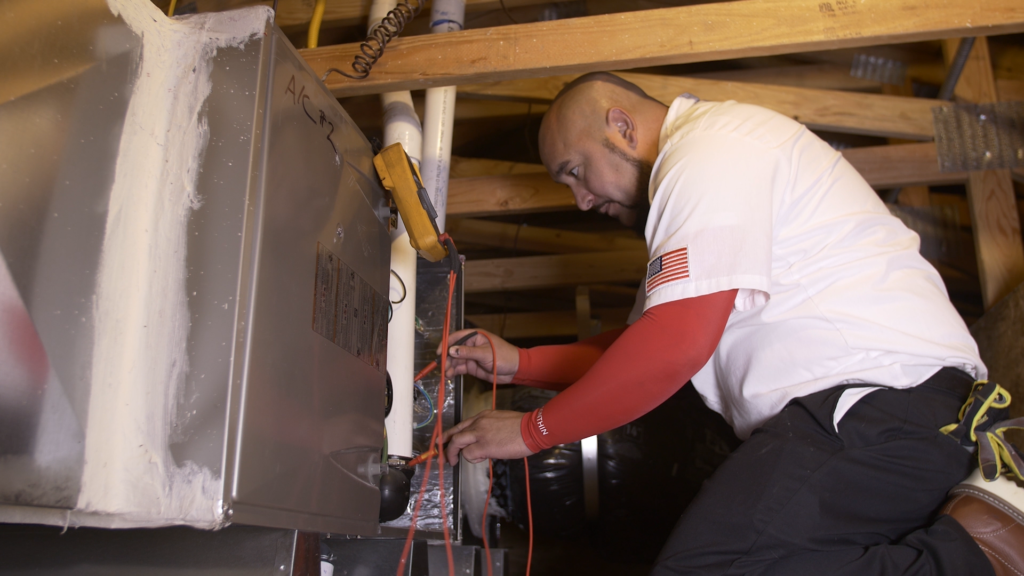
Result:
[[832, 287]]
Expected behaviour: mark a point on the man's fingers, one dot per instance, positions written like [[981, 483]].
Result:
[[480, 354], [473, 453], [461, 426], [455, 336], [457, 443]]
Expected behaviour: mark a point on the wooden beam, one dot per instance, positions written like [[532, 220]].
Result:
[[536, 238], [529, 189], [293, 14], [898, 165], [545, 324], [549, 271], [473, 167], [824, 76], [476, 109], [831, 110], [698, 33], [518, 193], [997, 237]]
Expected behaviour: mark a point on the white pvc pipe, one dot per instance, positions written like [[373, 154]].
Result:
[[401, 124], [439, 117], [401, 345]]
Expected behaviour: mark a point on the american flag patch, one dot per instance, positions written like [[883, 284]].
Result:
[[668, 267]]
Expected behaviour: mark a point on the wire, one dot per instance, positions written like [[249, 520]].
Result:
[[490, 463], [507, 13], [429, 403], [526, 132], [504, 302], [313, 37], [490, 468], [438, 449], [170, 9], [405, 291], [372, 48], [438, 425], [529, 516]]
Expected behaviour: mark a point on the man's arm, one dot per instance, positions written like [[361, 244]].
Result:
[[642, 368], [550, 367], [557, 367]]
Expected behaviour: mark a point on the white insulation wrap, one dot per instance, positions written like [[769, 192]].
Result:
[[141, 308], [401, 124]]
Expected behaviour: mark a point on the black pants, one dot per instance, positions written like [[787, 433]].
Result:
[[797, 498]]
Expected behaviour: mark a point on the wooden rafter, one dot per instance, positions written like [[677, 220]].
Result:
[[997, 235], [697, 33], [515, 194], [475, 167], [901, 165], [831, 110], [537, 238], [296, 13], [545, 324], [824, 76], [559, 270], [523, 192]]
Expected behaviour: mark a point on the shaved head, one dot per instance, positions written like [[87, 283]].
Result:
[[600, 137], [607, 78], [582, 103]]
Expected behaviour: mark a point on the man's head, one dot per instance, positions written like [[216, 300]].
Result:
[[600, 137]]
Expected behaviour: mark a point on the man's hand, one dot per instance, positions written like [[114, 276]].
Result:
[[474, 357], [489, 434]]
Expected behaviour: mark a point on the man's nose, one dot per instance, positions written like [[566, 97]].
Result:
[[584, 199]]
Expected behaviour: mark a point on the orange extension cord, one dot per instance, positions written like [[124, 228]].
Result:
[[438, 450]]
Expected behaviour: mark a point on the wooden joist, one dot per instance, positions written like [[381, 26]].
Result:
[[899, 165], [831, 110], [545, 324], [825, 76], [514, 194], [293, 14], [558, 270], [525, 191], [537, 238], [475, 167], [698, 33], [997, 236]]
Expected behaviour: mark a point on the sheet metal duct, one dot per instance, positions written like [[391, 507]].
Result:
[[273, 413]]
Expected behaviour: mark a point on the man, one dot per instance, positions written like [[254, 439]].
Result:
[[803, 313]]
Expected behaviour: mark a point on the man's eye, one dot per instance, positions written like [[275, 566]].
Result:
[[575, 172]]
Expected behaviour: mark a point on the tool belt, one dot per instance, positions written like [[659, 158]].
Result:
[[982, 426]]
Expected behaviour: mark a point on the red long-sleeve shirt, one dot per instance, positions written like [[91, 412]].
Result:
[[616, 377]]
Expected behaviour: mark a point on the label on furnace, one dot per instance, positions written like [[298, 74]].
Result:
[[348, 311]]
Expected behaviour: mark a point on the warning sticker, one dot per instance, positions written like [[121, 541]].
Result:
[[348, 311]]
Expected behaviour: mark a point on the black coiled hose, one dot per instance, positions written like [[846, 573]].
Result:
[[373, 47]]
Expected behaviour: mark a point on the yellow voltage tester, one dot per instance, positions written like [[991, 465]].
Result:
[[402, 178]]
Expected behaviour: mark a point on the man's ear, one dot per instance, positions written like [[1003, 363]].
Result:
[[620, 122]]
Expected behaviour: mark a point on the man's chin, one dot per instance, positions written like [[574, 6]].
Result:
[[626, 216]]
